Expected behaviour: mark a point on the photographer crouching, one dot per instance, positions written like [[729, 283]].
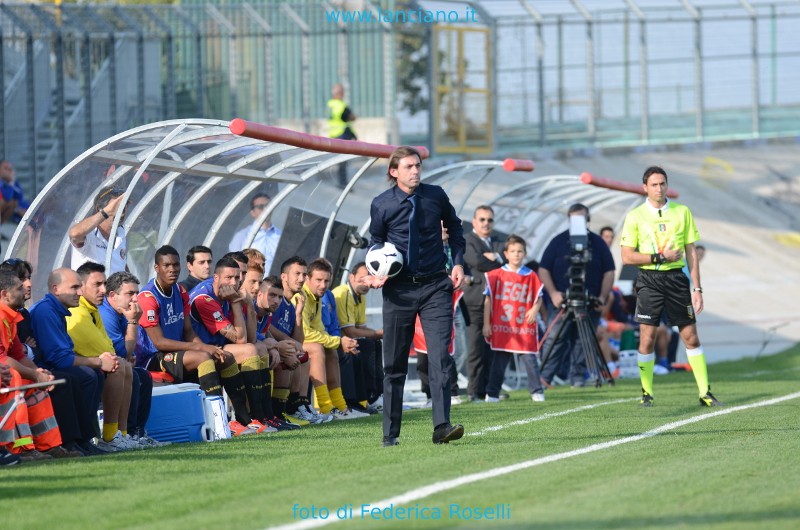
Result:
[[576, 267]]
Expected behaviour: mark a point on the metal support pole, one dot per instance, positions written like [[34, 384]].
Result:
[[33, 130], [2, 97], [698, 77], [61, 122], [269, 98], [86, 89], [756, 113], [540, 81], [698, 69], [626, 57], [643, 77], [560, 27], [305, 66], [591, 123], [112, 90], [644, 82]]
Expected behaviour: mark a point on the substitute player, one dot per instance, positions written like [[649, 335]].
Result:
[[659, 238]]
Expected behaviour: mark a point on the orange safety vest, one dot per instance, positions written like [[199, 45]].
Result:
[[33, 425]]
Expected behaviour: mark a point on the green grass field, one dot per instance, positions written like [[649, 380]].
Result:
[[736, 470]]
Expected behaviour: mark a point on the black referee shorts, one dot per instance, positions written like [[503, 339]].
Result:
[[658, 291]]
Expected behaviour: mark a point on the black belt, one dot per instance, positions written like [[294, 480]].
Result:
[[420, 278]]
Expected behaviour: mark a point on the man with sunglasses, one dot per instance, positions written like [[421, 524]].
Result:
[[267, 237], [91, 236], [483, 254]]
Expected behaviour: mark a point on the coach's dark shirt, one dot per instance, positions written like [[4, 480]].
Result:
[[190, 283], [389, 215], [555, 261]]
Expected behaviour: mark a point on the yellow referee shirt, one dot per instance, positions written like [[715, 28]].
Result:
[[652, 230]]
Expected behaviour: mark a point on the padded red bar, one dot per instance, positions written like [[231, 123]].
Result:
[[630, 187], [515, 164], [259, 131]]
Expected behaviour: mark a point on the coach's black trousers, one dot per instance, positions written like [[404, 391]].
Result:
[[402, 301]]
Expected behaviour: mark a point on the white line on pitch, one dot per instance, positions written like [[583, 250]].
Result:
[[548, 415], [438, 487]]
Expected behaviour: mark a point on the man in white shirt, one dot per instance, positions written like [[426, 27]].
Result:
[[90, 237], [267, 237]]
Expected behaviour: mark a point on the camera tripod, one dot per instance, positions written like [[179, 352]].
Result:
[[575, 311]]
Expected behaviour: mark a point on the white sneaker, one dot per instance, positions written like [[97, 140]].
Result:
[[490, 399], [116, 444], [323, 418], [357, 413], [145, 442], [538, 397], [304, 414], [455, 400], [131, 441], [342, 414], [378, 404]]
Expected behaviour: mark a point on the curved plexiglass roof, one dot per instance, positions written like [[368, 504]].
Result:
[[189, 182]]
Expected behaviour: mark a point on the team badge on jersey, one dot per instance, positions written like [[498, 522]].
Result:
[[151, 315]]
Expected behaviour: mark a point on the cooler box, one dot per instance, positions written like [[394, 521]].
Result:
[[177, 414]]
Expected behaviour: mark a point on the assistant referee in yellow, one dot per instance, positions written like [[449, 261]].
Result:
[[659, 238]]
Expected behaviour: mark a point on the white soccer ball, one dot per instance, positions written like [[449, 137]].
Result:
[[384, 259]]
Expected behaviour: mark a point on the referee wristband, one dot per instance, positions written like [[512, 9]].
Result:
[[104, 214], [657, 258], [697, 290]]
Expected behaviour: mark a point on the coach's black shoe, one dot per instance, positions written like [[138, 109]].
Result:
[[446, 433], [710, 401], [647, 400], [389, 441]]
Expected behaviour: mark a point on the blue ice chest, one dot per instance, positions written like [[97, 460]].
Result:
[[177, 414]]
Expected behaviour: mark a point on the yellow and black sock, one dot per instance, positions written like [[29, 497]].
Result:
[[234, 386], [266, 394], [208, 377], [254, 386], [279, 397]]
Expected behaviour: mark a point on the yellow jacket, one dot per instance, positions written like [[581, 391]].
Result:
[[85, 328], [312, 322]]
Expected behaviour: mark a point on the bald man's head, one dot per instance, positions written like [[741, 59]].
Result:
[[65, 284]]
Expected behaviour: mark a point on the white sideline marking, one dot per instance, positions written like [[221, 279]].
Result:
[[768, 372], [438, 487], [548, 415]]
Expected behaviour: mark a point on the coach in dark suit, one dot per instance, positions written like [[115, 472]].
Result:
[[411, 215], [481, 255]]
